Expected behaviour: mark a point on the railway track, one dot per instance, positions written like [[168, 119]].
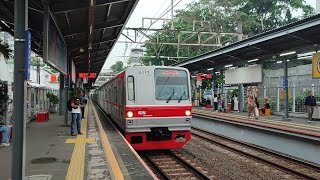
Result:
[[171, 165], [283, 163]]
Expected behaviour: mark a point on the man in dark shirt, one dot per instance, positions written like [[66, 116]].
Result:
[[310, 103]]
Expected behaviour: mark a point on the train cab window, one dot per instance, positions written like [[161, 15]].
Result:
[[171, 84], [130, 88]]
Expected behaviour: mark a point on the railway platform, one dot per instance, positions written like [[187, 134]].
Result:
[[100, 153], [296, 125]]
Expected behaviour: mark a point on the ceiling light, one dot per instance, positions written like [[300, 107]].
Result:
[[279, 62], [91, 29], [230, 65], [81, 50], [288, 53], [253, 60], [305, 57], [210, 69], [288, 60]]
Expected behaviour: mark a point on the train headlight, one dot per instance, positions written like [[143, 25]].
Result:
[[130, 114], [188, 112]]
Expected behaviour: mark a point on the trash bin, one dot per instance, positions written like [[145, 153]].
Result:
[[229, 107]]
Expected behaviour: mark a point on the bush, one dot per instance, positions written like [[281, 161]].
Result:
[[54, 99]]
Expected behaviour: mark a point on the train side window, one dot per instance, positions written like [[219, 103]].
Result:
[[115, 94], [130, 88]]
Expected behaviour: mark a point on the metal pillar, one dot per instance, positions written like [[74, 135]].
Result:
[[285, 79], [19, 128], [312, 89], [264, 91], [67, 82], [293, 99], [62, 100], [278, 98], [241, 97]]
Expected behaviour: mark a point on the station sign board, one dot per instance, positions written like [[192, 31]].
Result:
[[316, 66], [54, 47], [88, 75], [27, 55]]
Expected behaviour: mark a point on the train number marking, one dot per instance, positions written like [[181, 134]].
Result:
[[144, 72]]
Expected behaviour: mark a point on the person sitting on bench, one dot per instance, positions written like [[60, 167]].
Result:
[[5, 130], [266, 105]]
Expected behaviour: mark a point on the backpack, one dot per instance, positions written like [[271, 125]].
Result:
[[69, 105]]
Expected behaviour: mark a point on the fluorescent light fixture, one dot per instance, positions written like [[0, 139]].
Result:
[[288, 53], [279, 62], [210, 69], [305, 57], [288, 60], [230, 65], [91, 29], [253, 60]]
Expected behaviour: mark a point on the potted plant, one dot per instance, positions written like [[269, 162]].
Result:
[[54, 100]]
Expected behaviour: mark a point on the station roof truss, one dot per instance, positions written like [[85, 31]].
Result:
[[301, 36], [90, 27]]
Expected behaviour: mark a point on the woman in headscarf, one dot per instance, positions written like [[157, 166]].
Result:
[[251, 105]]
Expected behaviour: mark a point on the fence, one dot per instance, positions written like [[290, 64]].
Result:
[[297, 95]]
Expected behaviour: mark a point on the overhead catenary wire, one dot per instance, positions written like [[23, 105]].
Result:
[[157, 19]]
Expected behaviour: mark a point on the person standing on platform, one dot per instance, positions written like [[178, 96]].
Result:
[[235, 104], [215, 103], [5, 130], [83, 103], [76, 113], [310, 103], [251, 106]]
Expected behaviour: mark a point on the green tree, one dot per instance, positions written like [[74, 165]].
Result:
[[5, 50], [117, 67], [255, 16]]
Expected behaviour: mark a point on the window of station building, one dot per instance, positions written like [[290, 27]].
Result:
[[130, 88]]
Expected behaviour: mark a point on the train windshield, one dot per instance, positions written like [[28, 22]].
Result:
[[171, 84]]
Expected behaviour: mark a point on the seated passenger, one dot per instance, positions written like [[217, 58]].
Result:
[[266, 105], [5, 130], [208, 104]]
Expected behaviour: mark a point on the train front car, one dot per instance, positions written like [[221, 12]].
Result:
[[158, 107]]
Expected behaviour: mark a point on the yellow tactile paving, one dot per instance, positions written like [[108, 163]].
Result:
[[110, 157], [76, 167], [81, 140], [302, 126]]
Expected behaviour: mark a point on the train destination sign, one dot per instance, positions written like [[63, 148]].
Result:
[[88, 75]]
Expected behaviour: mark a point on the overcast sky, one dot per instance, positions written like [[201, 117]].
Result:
[[148, 8]]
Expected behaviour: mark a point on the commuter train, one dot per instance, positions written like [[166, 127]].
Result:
[[151, 105]]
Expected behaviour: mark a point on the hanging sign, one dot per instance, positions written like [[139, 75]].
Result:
[[88, 75]]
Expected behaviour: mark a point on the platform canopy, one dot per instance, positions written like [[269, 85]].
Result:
[[90, 27], [302, 36]]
